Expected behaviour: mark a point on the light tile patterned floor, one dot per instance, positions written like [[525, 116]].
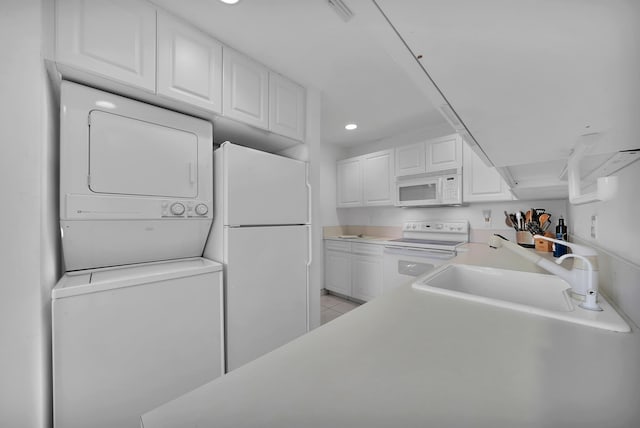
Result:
[[333, 306]]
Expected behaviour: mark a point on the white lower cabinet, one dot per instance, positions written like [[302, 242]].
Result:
[[337, 267], [354, 269]]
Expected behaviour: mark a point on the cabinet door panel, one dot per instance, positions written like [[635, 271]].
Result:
[[286, 107], [349, 182], [444, 153], [245, 89], [378, 178], [337, 272], [481, 182], [367, 277], [189, 64], [410, 160], [111, 38]]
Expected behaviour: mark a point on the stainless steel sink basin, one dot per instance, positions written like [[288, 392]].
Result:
[[540, 294]]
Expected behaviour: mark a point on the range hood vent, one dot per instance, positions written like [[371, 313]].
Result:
[[341, 9]]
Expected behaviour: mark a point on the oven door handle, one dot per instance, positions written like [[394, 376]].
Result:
[[420, 252]]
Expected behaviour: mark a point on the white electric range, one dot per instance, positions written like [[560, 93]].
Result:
[[424, 246]]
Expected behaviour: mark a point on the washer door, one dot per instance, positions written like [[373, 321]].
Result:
[[133, 157]]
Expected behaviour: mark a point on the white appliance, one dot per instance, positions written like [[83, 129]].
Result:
[[442, 188], [128, 339], [135, 180], [424, 246], [261, 234]]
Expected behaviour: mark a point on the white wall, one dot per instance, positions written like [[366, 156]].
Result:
[[617, 240], [411, 137], [313, 141], [618, 220], [29, 251], [392, 216]]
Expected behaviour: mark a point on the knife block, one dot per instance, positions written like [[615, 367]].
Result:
[[544, 246]]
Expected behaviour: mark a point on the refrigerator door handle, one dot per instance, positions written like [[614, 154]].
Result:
[[309, 260], [308, 184]]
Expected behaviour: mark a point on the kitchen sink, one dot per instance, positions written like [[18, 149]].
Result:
[[535, 293]]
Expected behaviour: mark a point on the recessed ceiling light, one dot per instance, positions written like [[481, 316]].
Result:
[[350, 126], [230, 1]]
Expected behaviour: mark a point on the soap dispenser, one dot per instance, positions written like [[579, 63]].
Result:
[[561, 234]]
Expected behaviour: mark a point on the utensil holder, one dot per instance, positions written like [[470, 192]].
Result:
[[525, 239]]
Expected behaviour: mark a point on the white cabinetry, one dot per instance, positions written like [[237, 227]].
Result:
[[410, 160], [337, 267], [354, 269], [110, 38], [286, 107], [367, 267], [444, 153], [434, 155], [481, 183], [366, 180], [378, 178], [189, 64], [349, 182], [245, 92]]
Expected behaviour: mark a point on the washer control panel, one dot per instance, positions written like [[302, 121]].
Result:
[[184, 209]]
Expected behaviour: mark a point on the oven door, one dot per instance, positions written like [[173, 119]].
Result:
[[405, 264], [418, 192]]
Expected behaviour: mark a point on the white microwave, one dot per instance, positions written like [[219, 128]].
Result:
[[432, 190]]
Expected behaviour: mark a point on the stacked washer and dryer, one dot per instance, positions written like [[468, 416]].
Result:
[[138, 316]]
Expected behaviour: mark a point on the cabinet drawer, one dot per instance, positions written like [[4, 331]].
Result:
[[367, 249], [337, 246]]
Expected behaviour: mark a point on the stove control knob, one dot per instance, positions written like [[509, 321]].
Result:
[[438, 226], [413, 226], [202, 209], [177, 208]]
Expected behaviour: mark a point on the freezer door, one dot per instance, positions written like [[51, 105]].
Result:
[[262, 188], [266, 289]]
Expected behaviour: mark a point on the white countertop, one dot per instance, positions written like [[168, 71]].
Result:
[[414, 359]]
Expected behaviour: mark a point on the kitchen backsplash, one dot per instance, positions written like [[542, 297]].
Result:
[[381, 231], [392, 216]]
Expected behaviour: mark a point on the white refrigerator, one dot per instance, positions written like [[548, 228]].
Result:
[[261, 234]]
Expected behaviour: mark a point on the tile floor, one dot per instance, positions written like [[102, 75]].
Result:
[[333, 306]]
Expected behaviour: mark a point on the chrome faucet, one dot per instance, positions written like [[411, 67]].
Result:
[[583, 278]]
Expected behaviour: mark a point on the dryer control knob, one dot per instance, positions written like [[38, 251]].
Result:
[[202, 209], [177, 208]]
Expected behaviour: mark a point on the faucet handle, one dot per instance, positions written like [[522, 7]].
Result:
[[575, 248]]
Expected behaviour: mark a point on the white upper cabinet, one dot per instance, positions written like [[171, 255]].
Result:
[[444, 153], [245, 91], [286, 107], [481, 183], [366, 180], [378, 178], [111, 38], [410, 160], [431, 156], [349, 182], [189, 64]]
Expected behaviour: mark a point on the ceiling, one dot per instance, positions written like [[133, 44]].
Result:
[[308, 42], [526, 78]]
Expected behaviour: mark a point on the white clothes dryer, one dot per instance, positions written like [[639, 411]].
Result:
[[135, 180]]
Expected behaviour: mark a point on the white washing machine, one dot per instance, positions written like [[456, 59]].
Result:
[[130, 338]]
